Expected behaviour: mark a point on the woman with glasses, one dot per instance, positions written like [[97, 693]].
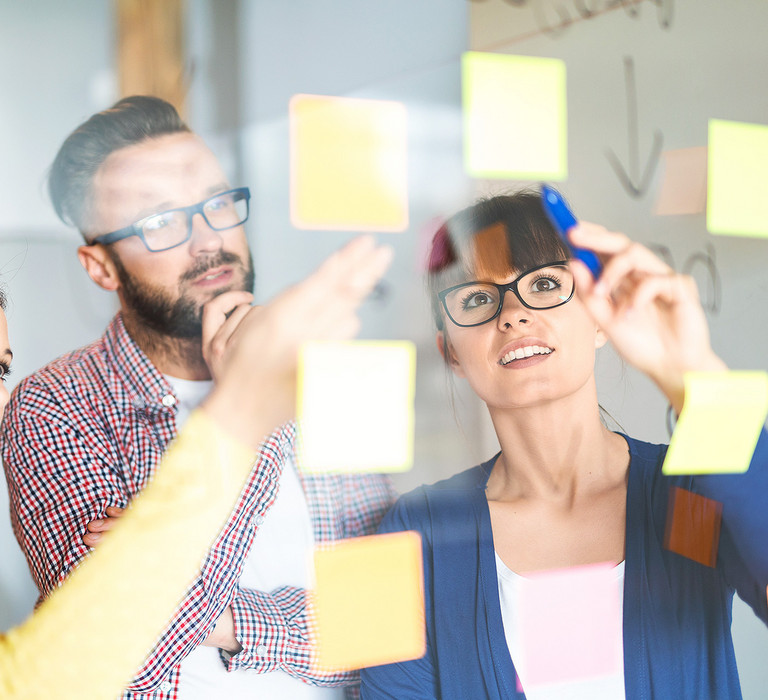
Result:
[[67, 649], [521, 324]]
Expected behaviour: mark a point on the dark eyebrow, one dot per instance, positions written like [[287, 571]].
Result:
[[216, 189], [168, 206], [7, 351]]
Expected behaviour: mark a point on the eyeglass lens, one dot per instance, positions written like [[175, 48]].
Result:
[[172, 227], [477, 302]]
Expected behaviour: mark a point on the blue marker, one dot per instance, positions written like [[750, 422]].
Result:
[[562, 219]]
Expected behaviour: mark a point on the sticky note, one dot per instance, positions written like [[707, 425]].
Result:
[[426, 235], [355, 406], [737, 174], [515, 117], [369, 601], [693, 526], [720, 423], [566, 619], [684, 184], [348, 164]]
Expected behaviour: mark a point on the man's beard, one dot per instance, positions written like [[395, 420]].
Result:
[[183, 317]]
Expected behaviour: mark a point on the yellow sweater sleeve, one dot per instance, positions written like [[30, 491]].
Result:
[[86, 640]]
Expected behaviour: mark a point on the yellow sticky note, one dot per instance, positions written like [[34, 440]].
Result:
[[515, 116], [737, 175], [355, 406], [720, 423], [369, 601], [348, 164]]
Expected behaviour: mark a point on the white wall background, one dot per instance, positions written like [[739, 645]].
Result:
[[247, 57]]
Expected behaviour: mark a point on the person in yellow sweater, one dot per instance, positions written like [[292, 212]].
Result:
[[67, 648]]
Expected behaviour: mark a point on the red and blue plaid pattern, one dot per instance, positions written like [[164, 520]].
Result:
[[87, 431]]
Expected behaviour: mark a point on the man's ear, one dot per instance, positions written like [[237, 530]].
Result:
[[448, 353], [600, 338], [99, 266]]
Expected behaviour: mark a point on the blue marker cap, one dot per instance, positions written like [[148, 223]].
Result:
[[562, 219]]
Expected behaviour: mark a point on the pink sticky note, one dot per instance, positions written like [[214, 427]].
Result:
[[571, 625], [424, 242], [684, 187]]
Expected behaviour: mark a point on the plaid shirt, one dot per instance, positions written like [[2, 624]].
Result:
[[87, 431]]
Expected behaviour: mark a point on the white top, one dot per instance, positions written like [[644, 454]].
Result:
[[280, 556], [514, 591]]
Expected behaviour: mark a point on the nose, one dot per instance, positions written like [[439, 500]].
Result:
[[204, 239], [512, 311]]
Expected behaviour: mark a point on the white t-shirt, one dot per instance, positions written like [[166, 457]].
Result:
[[512, 588], [280, 556]]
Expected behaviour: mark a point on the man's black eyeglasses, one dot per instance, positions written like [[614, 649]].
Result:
[[171, 228]]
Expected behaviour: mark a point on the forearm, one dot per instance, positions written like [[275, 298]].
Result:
[[671, 379], [223, 634], [274, 630], [745, 515], [166, 532]]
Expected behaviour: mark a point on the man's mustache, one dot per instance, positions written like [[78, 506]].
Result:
[[209, 262]]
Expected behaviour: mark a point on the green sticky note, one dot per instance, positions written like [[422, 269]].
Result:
[[720, 423], [515, 117], [355, 406], [737, 179]]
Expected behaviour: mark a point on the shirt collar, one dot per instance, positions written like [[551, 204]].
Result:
[[148, 388]]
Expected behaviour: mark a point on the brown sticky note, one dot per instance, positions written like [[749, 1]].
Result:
[[693, 526], [369, 601]]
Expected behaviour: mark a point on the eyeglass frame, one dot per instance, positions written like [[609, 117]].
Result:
[[135, 229], [503, 289]]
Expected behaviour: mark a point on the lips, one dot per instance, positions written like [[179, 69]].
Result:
[[523, 349], [213, 276]]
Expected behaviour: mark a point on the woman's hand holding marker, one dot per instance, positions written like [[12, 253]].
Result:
[[651, 314]]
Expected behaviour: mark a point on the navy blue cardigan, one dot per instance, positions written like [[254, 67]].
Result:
[[677, 612]]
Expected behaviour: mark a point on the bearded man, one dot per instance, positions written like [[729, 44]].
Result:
[[164, 229]]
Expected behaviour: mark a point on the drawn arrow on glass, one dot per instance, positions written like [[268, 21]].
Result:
[[635, 185]]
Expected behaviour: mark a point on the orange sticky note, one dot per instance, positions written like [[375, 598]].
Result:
[[684, 187], [369, 601], [565, 616], [348, 164], [693, 526]]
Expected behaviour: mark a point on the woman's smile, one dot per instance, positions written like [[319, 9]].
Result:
[[524, 349]]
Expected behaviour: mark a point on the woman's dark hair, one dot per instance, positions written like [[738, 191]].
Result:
[[494, 236], [128, 122]]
